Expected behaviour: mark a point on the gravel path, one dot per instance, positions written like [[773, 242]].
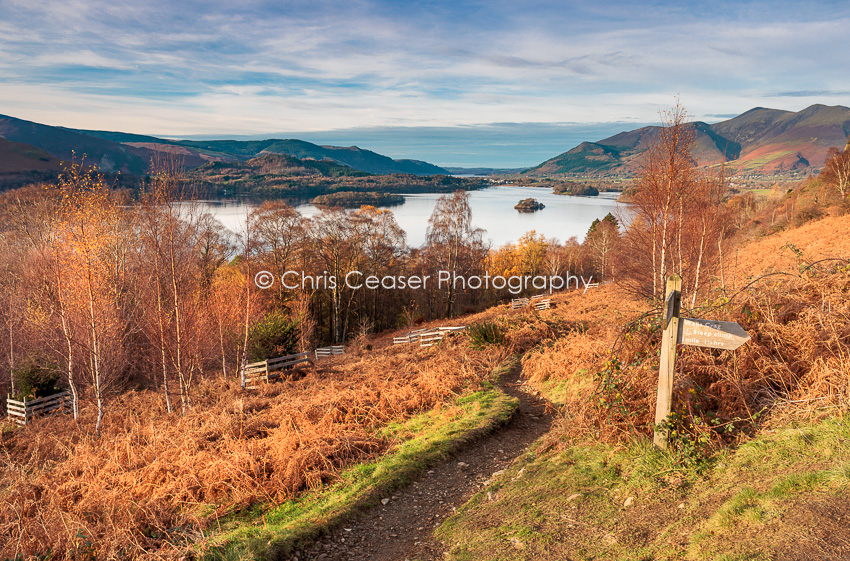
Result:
[[402, 528]]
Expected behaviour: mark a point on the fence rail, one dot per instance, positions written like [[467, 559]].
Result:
[[434, 336], [540, 302], [411, 337], [329, 351], [21, 412], [543, 304], [430, 338], [590, 285], [270, 369]]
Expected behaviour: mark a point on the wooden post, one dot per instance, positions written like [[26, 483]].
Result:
[[672, 305]]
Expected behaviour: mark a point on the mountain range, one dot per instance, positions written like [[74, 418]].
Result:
[[24, 145], [758, 141]]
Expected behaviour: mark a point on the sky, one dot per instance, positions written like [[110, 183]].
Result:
[[460, 83]]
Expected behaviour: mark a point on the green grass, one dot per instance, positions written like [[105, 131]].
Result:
[[756, 163], [560, 392], [271, 532], [761, 192], [734, 510]]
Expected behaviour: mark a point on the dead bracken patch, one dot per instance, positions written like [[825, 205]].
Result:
[[152, 481], [795, 365]]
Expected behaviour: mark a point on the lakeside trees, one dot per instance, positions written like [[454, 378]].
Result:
[[453, 244], [92, 284], [602, 238], [115, 295], [677, 221], [154, 293], [836, 171]]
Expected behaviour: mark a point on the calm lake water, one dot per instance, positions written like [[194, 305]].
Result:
[[492, 209]]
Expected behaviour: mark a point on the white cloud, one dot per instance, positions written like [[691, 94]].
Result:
[[197, 68]]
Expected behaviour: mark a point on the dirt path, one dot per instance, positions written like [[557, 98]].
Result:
[[402, 528]]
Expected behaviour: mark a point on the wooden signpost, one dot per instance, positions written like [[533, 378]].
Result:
[[685, 331], [712, 334], [668, 356]]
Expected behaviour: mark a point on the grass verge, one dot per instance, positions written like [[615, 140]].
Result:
[[274, 532], [783, 495]]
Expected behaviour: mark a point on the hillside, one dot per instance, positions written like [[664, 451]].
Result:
[[787, 250], [782, 140], [352, 156], [758, 141], [275, 175], [587, 157], [457, 451], [777, 490], [15, 156], [65, 144], [133, 153]]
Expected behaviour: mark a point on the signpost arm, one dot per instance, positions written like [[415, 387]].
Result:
[[668, 356]]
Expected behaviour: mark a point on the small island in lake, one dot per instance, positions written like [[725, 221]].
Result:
[[355, 199], [575, 188], [529, 205]]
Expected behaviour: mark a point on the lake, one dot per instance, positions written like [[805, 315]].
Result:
[[492, 210]]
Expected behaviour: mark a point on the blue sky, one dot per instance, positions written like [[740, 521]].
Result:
[[495, 83]]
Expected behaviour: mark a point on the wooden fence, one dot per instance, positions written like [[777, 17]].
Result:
[[543, 304], [590, 285], [519, 303], [21, 412], [430, 337], [411, 337], [540, 302], [328, 351], [434, 336], [270, 369]]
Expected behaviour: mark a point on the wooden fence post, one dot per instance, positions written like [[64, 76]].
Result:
[[672, 305]]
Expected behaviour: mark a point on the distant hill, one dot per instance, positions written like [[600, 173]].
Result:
[[587, 157], [63, 144], [15, 156], [37, 164], [781, 140], [198, 152], [483, 171], [281, 176], [758, 141], [133, 153], [352, 156]]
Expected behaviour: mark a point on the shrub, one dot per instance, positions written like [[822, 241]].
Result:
[[276, 334], [807, 214], [38, 376], [485, 333]]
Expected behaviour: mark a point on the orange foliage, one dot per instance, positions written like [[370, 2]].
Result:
[[795, 363], [151, 480]]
